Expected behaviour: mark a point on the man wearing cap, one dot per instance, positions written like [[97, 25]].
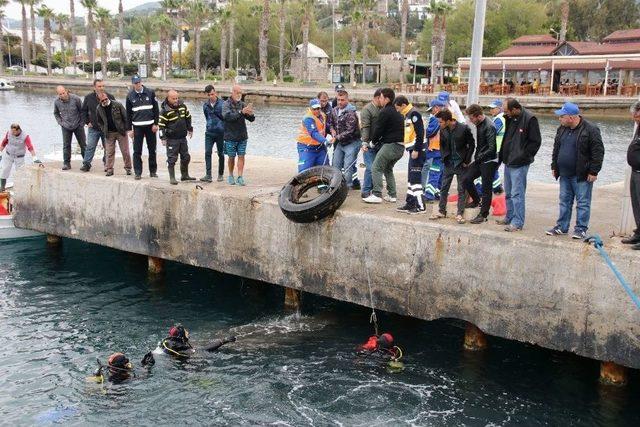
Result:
[[143, 113], [521, 143], [338, 88], [633, 159], [312, 138], [452, 105], [432, 168], [577, 158]]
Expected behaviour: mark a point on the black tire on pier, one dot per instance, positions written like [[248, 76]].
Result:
[[329, 199]]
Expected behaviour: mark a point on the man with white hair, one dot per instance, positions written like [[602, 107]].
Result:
[[577, 158], [235, 114]]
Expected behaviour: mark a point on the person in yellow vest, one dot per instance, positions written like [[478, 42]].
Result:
[[414, 144], [312, 138]]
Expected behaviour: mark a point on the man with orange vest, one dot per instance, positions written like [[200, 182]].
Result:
[[313, 138]]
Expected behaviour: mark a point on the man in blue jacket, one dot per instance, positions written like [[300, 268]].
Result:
[[214, 133], [312, 138]]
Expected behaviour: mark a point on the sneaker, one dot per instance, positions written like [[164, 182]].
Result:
[[128, 171], [555, 231], [502, 222], [240, 181], [372, 198], [66, 167], [389, 199], [220, 178], [231, 180], [405, 209], [416, 210], [479, 219], [138, 177], [512, 228], [85, 167], [579, 235], [206, 178], [152, 175], [109, 173]]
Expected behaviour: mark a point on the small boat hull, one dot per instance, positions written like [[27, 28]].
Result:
[[9, 231]]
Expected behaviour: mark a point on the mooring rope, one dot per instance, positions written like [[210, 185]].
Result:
[[598, 244], [373, 319]]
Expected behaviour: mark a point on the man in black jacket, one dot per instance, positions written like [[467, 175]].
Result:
[[142, 111], [111, 121], [388, 140], [633, 159], [485, 161], [521, 143], [577, 158], [89, 106], [456, 148], [175, 125]]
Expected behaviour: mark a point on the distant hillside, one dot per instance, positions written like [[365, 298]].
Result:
[[144, 8]]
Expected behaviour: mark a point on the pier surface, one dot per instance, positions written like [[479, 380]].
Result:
[[550, 291]]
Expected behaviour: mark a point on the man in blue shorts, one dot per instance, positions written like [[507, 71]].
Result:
[[235, 114]]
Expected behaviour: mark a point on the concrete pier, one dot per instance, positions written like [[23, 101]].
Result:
[[550, 291]]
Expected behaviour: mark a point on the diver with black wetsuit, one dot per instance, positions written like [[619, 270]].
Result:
[[177, 344]]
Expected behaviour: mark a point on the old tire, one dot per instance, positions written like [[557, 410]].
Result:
[[327, 202]]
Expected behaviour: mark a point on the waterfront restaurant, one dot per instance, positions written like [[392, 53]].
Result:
[[538, 64]]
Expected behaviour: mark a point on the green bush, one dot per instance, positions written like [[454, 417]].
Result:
[[288, 79], [230, 74], [271, 75]]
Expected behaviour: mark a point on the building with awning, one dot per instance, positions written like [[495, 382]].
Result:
[[609, 67]]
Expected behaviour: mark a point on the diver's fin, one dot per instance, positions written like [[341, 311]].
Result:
[[148, 359]]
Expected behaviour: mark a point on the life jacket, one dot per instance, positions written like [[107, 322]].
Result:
[[500, 135], [433, 134], [409, 130], [320, 122], [16, 146]]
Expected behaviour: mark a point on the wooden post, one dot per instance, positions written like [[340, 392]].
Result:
[[474, 338], [291, 299], [613, 374], [53, 240], [156, 265]]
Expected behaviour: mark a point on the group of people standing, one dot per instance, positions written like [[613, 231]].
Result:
[[141, 118]]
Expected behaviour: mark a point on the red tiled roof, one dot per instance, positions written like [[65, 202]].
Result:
[[591, 65], [592, 48], [623, 35], [518, 66], [543, 50], [535, 38], [632, 64]]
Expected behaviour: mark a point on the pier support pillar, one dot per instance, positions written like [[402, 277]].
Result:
[[156, 265], [613, 374], [291, 299], [474, 338], [53, 240]]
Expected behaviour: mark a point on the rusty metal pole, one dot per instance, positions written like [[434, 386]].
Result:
[[156, 265], [53, 240], [291, 299], [474, 338], [613, 374]]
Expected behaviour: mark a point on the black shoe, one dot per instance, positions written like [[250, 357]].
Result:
[[636, 247], [633, 240], [66, 167], [85, 167], [471, 205], [153, 175], [479, 219], [138, 177], [356, 185], [128, 171], [109, 173], [206, 178], [404, 209], [416, 211]]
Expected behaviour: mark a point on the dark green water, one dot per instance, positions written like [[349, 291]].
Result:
[[60, 308]]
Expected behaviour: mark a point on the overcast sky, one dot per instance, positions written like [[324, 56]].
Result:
[[14, 10]]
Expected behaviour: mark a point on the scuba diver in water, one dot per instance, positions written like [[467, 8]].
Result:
[[118, 369], [382, 347], [177, 344]]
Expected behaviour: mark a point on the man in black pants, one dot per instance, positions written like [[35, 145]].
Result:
[[484, 164], [142, 112], [175, 126], [456, 146], [214, 133], [633, 159]]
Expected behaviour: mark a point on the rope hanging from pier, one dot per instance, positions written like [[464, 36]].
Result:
[[598, 244], [373, 318]]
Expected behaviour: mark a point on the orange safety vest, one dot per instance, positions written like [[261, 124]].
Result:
[[320, 122], [434, 142]]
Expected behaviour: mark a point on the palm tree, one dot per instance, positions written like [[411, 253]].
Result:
[[3, 4], [564, 20], [72, 21], [223, 22], [62, 21], [145, 26], [46, 13], [121, 36], [231, 32], [404, 14], [91, 6], [439, 10], [26, 62], [32, 15], [198, 13], [282, 18], [356, 22], [104, 23], [165, 27], [263, 40], [170, 9], [307, 15], [368, 7]]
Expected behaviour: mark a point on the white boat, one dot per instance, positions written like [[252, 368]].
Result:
[[6, 84], [8, 230]]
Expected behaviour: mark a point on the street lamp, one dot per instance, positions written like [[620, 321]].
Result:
[[556, 33], [415, 66], [237, 61]]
